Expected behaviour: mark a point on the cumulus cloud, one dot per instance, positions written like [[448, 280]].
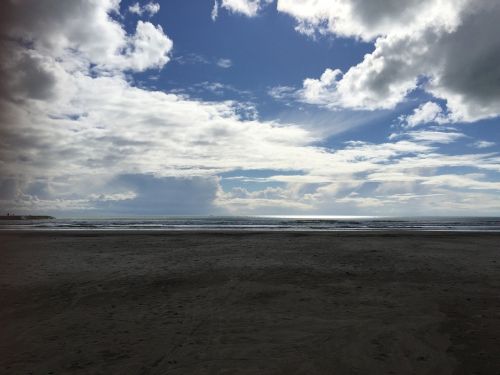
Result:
[[426, 113], [81, 33], [150, 9], [149, 48], [249, 8], [224, 63], [417, 44], [72, 127], [76, 134], [369, 19]]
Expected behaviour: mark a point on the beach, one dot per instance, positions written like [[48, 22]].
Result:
[[242, 302]]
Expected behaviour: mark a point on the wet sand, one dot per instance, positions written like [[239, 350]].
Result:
[[249, 303]]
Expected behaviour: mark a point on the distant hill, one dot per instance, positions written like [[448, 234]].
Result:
[[25, 217]]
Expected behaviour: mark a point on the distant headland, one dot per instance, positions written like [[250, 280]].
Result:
[[25, 217]]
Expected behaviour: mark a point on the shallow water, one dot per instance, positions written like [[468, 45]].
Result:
[[264, 223]]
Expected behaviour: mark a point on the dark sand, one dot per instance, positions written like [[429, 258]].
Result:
[[249, 303]]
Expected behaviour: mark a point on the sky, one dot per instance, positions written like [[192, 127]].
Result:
[[250, 107]]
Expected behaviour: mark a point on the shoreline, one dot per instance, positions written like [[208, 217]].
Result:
[[196, 231]]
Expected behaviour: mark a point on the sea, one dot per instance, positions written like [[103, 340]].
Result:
[[262, 223]]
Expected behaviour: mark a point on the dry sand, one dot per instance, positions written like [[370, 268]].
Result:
[[249, 303]]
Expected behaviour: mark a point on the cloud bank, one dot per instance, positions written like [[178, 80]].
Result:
[[78, 135], [417, 45]]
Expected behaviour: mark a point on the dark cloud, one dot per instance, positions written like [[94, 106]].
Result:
[[470, 60], [376, 12], [451, 49], [27, 75], [8, 189]]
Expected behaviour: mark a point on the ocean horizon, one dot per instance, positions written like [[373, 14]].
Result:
[[264, 223]]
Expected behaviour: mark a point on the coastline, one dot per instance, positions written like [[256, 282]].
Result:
[[250, 232], [264, 224], [249, 302]]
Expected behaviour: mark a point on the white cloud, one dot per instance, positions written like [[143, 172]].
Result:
[[215, 11], [283, 93], [81, 33], [470, 181], [220, 89], [191, 58], [429, 136], [368, 202], [368, 20], [426, 113], [135, 9], [483, 144], [269, 200], [150, 8], [412, 39], [224, 63], [77, 137], [249, 8], [195, 58], [149, 48]]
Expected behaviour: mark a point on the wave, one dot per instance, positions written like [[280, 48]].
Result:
[[264, 223]]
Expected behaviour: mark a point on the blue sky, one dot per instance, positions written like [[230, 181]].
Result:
[[263, 107]]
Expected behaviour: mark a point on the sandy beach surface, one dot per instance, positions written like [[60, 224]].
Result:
[[249, 303]]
